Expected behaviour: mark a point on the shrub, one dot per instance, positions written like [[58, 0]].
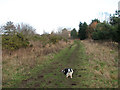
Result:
[[15, 41], [95, 36], [101, 35], [55, 39]]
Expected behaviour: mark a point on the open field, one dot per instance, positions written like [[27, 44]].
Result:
[[94, 65], [41, 40]]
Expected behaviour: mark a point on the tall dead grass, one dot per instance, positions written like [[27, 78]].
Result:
[[103, 60], [22, 60]]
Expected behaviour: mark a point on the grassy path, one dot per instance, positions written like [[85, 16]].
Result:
[[94, 65], [50, 76]]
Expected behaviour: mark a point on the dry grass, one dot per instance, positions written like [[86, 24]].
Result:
[[22, 60], [103, 60]]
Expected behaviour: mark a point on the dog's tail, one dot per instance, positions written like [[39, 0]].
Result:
[[71, 70]]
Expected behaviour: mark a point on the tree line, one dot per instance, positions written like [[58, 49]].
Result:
[[20, 36], [99, 30], [16, 36]]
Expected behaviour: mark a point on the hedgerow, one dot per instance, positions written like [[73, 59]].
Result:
[[13, 42]]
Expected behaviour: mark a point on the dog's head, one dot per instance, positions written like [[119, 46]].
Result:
[[62, 71]]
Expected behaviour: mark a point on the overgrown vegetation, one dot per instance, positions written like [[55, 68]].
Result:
[[103, 63], [15, 41], [17, 65], [101, 30], [23, 49], [26, 53], [15, 37], [107, 31], [21, 36], [91, 70]]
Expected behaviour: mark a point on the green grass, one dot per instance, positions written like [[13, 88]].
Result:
[[49, 75], [19, 77]]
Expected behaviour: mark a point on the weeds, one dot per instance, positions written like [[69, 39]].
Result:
[[94, 66], [19, 62], [103, 63]]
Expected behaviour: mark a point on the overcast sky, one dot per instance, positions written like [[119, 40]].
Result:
[[48, 15]]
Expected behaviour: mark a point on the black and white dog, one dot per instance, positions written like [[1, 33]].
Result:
[[68, 72]]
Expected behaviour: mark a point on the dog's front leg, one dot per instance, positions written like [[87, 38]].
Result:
[[67, 76], [70, 75]]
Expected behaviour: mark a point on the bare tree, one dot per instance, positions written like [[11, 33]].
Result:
[[25, 29]]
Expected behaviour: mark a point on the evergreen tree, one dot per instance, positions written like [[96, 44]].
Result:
[[115, 22], [82, 30], [10, 28], [74, 33]]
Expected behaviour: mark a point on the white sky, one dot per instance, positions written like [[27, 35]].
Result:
[[48, 15]]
